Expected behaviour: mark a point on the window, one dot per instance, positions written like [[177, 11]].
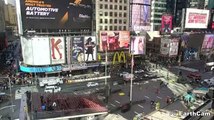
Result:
[[115, 21], [110, 28], [106, 13], [106, 21], [101, 27], [115, 1], [115, 14], [125, 8], [120, 27], [111, 14], [120, 14], [110, 21], [101, 20], [125, 1], [124, 15], [111, 0], [124, 27], [120, 7], [124, 21], [111, 6], [106, 27], [101, 6], [106, 6], [106, 0], [115, 27], [115, 7], [120, 21]]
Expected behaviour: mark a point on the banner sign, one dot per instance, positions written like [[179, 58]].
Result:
[[56, 14], [114, 40], [166, 24], [174, 43], [138, 45], [57, 45], [165, 46], [77, 49], [196, 18], [212, 20], [208, 43], [140, 15], [90, 48], [40, 69]]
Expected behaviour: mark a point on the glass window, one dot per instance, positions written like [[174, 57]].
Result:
[[115, 20], [106, 6], [110, 28], [115, 1], [110, 21], [120, 7], [124, 27], [124, 15], [120, 21], [101, 6], [115, 14], [115, 7], [106, 27], [101, 27], [111, 0], [106, 0], [106, 21], [120, 14], [120, 27], [115, 27], [124, 21], [111, 14], [106, 13], [125, 8], [111, 6], [101, 20]]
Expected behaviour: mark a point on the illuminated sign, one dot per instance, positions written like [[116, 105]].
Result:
[[120, 57], [40, 69]]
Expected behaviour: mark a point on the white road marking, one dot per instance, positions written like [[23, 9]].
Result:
[[117, 101], [140, 106], [113, 105], [159, 97], [147, 97], [7, 107], [136, 113]]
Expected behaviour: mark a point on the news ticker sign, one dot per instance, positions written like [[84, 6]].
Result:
[[196, 18], [40, 69]]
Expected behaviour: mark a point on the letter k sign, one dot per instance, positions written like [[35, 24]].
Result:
[[54, 45]]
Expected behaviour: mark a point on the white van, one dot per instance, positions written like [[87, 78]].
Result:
[[50, 81]]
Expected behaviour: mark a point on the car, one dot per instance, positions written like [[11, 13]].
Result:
[[51, 89], [92, 84], [139, 71], [209, 82], [194, 75], [123, 73]]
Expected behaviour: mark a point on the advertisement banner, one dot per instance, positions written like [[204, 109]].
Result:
[[166, 24], [212, 20], [27, 50], [208, 43], [174, 43], [196, 18], [41, 51], [40, 69], [57, 50], [90, 49], [140, 15], [77, 49], [165, 46], [114, 40], [56, 14], [138, 45]]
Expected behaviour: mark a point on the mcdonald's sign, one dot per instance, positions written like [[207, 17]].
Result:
[[121, 57]]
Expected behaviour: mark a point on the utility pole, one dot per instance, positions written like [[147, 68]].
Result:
[[131, 84]]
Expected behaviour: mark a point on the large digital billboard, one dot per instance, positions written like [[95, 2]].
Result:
[[166, 24], [56, 14], [36, 51], [165, 46], [208, 43], [57, 45], [140, 15], [196, 18], [138, 45], [90, 48], [114, 40]]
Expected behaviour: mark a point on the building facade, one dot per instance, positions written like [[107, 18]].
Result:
[[2, 19], [111, 15], [200, 4]]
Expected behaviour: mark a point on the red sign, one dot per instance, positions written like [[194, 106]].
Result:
[[212, 25], [166, 24]]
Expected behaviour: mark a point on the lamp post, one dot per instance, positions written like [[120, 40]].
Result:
[[131, 84], [11, 99], [106, 60]]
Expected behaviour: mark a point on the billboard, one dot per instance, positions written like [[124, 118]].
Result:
[[114, 40], [208, 43], [57, 45], [140, 15], [138, 45], [196, 18], [166, 24], [90, 48], [165, 46], [77, 49], [173, 50], [56, 14], [36, 51]]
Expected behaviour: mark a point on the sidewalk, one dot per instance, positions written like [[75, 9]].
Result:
[[23, 115]]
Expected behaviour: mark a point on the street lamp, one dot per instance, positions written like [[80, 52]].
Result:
[[131, 84], [11, 99]]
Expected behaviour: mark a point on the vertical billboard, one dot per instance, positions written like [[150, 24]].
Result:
[[138, 45], [27, 50], [57, 45], [90, 49], [56, 14], [212, 20], [140, 15], [174, 43], [196, 18], [77, 49], [165, 46], [114, 40], [166, 24], [208, 43]]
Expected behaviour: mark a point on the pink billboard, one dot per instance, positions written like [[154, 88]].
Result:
[[208, 43], [166, 24]]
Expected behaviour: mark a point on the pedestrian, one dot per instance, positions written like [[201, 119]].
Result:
[[157, 91], [152, 102], [167, 100]]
